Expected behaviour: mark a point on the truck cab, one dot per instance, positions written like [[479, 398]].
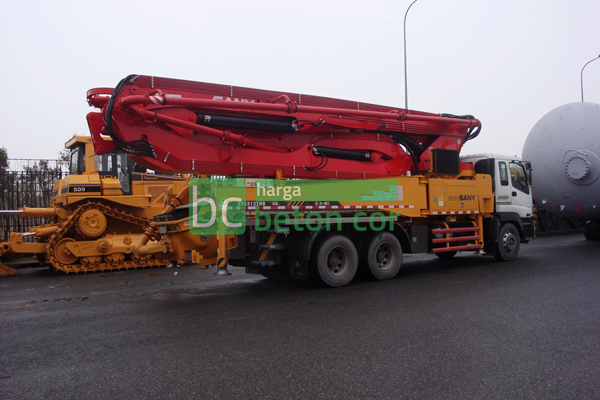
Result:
[[513, 206]]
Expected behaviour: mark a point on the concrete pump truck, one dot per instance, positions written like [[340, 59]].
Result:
[[293, 185]]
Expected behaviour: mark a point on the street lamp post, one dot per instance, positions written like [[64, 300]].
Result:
[[581, 69], [405, 74]]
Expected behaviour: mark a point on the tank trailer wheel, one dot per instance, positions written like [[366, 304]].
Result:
[[381, 256], [334, 261], [591, 230], [509, 243]]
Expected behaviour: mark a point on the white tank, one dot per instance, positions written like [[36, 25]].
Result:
[[563, 148]]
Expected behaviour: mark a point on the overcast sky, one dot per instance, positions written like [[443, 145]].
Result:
[[506, 62]]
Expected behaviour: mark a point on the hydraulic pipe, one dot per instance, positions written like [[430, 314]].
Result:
[[177, 200], [142, 250], [291, 108], [31, 212], [38, 212], [41, 231], [99, 97], [224, 135]]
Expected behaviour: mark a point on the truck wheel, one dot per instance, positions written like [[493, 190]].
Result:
[[382, 256], [509, 243], [334, 261]]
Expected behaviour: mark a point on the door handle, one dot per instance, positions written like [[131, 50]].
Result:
[[514, 194]]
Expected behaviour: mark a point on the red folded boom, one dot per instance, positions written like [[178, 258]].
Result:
[[180, 126]]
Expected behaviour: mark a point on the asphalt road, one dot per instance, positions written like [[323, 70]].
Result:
[[467, 328]]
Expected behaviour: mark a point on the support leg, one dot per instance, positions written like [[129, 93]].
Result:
[[222, 256]]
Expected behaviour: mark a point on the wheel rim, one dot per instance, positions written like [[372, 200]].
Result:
[[509, 242], [338, 261], [385, 256]]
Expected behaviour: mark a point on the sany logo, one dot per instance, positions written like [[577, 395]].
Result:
[[232, 99]]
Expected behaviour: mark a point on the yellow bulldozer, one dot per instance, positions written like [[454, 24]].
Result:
[[98, 213]]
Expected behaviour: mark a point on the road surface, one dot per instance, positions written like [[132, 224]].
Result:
[[466, 328]]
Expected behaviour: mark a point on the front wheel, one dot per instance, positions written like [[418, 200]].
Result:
[[509, 243], [334, 261]]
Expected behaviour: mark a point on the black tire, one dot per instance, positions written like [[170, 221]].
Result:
[[509, 243], [334, 261], [587, 232], [446, 254], [591, 231], [381, 256]]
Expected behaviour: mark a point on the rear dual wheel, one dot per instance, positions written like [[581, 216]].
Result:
[[381, 254], [334, 261]]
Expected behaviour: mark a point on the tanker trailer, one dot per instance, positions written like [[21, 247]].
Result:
[[564, 148]]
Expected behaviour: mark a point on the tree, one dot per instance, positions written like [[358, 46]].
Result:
[[5, 178], [38, 182], [64, 159], [3, 159]]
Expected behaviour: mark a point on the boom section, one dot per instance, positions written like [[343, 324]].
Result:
[[180, 126]]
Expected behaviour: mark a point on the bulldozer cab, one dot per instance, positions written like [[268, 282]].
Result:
[[133, 179], [117, 164], [84, 161]]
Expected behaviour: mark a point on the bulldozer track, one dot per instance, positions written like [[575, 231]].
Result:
[[108, 262]]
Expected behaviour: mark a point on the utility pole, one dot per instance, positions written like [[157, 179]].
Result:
[[405, 73]]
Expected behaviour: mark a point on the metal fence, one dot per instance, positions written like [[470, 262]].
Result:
[[25, 164], [30, 187]]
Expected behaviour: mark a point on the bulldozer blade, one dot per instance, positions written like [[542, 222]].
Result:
[[5, 270]]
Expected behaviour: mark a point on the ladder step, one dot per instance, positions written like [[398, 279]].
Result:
[[456, 239], [456, 230], [457, 248]]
